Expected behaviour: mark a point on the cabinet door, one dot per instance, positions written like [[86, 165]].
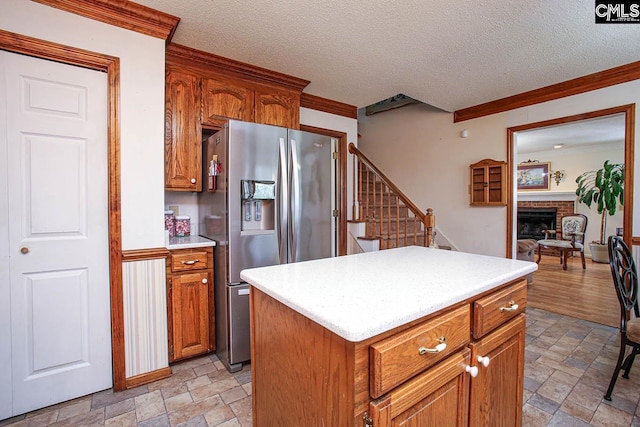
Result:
[[438, 397], [496, 393], [182, 139], [190, 294], [279, 108], [488, 183], [227, 100]]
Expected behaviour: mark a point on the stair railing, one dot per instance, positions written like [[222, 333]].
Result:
[[376, 200]]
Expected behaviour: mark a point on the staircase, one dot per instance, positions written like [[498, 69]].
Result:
[[390, 218]]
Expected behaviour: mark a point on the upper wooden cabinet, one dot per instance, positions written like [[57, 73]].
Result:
[[182, 135], [225, 99], [206, 90], [488, 183], [281, 108]]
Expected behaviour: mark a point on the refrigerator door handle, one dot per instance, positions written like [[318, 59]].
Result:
[[296, 210], [282, 200]]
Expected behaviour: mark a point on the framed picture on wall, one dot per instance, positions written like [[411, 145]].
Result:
[[533, 176]]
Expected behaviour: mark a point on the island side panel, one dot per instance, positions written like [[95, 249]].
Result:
[[302, 373]]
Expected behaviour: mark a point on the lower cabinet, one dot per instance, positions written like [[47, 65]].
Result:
[[462, 367], [438, 397], [496, 393], [190, 303]]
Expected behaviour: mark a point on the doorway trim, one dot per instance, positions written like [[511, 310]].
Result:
[[25, 45], [342, 182], [629, 140]]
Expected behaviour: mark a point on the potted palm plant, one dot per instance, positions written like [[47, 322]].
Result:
[[605, 188]]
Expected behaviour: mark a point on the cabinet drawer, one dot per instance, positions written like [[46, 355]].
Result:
[[191, 260], [495, 309], [398, 358]]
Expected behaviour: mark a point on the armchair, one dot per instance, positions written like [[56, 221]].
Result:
[[571, 238]]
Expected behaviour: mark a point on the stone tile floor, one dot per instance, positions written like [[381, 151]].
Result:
[[568, 365]]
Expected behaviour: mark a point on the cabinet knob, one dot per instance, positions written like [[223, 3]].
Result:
[[24, 250], [472, 370], [205, 281], [484, 361], [193, 180]]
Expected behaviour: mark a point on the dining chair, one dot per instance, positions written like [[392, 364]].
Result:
[[625, 280], [571, 238]]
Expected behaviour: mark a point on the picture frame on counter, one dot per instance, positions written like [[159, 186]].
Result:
[[533, 176]]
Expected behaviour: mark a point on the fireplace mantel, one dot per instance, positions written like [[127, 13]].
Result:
[[529, 196]]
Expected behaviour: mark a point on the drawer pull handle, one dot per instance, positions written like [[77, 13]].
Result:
[[472, 370], [205, 281], [512, 307], [190, 262], [438, 349], [484, 361]]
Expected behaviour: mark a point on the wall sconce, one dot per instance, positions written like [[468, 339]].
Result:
[[558, 176]]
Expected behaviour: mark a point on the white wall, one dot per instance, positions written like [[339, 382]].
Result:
[[141, 106], [422, 151]]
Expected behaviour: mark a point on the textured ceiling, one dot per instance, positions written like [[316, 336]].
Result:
[[450, 54]]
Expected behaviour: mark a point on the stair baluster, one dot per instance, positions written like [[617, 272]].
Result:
[[388, 214]]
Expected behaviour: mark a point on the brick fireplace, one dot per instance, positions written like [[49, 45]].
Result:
[[538, 220]]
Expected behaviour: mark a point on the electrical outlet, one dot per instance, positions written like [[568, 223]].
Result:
[[175, 209]]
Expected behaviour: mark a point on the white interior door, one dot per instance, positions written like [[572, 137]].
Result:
[[56, 155]]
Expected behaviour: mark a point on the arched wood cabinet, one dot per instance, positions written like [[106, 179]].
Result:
[[203, 91]]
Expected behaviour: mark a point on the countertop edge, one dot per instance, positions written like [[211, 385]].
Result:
[[189, 242]]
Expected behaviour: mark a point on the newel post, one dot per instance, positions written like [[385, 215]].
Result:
[[429, 224]]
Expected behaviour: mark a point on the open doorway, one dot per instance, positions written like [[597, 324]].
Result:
[[583, 142]]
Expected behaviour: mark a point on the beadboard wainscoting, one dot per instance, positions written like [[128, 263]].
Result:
[[145, 320]]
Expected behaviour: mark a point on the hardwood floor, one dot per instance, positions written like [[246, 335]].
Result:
[[584, 294]]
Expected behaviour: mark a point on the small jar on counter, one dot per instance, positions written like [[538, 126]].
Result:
[[183, 226], [169, 223]]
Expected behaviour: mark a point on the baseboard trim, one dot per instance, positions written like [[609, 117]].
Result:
[[147, 377]]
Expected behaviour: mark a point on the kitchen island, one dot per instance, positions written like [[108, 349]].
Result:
[[389, 336]]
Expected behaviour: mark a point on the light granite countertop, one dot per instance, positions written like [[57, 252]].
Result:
[[189, 242], [360, 296]]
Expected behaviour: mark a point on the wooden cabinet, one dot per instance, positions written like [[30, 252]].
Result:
[[279, 108], [438, 397], [496, 393], [224, 99], [419, 374], [190, 303], [488, 183], [206, 90], [183, 134]]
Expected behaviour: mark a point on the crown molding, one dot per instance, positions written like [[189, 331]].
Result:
[[121, 13], [328, 106], [185, 56], [612, 76]]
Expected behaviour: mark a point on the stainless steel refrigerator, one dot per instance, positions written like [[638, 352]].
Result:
[[268, 198]]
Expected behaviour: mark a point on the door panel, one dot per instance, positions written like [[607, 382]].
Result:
[[46, 217], [56, 127], [45, 293]]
